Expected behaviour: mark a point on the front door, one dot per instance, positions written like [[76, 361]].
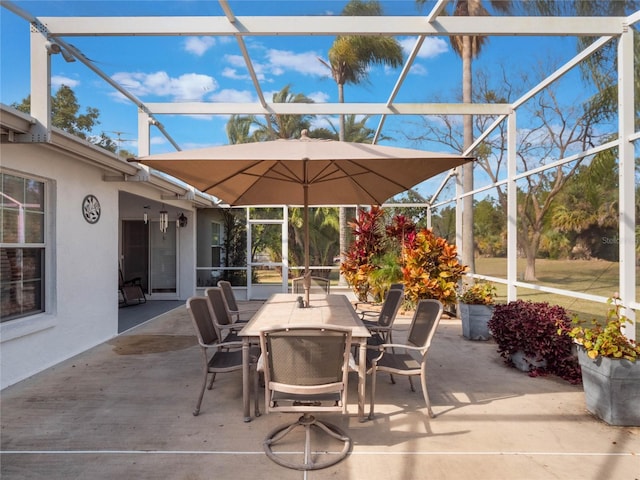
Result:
[[135, 251], [151, 255], [163, 265]]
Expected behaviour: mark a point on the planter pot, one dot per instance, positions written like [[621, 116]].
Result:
[[474, 321], [525, 363], [611, 389]]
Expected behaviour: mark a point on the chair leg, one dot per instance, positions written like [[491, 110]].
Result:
[[423, 381], [413, 389], [196, 411], [213, 377], [308, 421]]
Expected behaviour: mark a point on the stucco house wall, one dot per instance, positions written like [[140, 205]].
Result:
[[81, 267]]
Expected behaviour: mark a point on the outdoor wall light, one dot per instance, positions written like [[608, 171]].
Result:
[[145, 215], [164, 221], [182, 220]]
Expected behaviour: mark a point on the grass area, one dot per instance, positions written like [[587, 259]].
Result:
[[595, 277]]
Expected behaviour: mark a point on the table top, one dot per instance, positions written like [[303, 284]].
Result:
[[282, 309]]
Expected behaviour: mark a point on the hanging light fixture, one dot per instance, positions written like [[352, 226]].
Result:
[[164, 220]]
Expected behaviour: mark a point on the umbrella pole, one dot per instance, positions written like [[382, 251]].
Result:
[[305, 218]]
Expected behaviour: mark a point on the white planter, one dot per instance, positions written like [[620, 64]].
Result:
[[526, 364], [474, 321], [611, 389]]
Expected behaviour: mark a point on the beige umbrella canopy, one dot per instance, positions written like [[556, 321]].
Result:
[[303, 172]]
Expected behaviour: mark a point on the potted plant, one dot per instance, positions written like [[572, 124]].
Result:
[[431, 268], [610, 372], [527, 337], [475, 306]]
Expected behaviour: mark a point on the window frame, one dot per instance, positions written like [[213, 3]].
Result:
[[42, 247]]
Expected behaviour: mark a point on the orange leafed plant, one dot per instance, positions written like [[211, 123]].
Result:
[[431, 268]]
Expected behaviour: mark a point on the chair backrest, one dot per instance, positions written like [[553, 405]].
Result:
[[318, 285], [397, 286], [307, 362], [229, 296], [424, 323], [216, 300], [198, 309], [390, 307]]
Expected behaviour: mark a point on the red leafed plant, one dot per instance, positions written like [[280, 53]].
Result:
[[532, 328], [429, 265], [369, 234]]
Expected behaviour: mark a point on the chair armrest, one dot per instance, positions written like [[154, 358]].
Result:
[[377, 328], [230, 345], [371, 304], [386, 346], [368, 313]]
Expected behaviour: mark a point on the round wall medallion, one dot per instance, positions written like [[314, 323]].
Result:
[[91, 209]]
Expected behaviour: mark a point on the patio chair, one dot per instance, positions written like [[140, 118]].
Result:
[[380, 323], [222, 319], [131, 291], [306, 370], [237, 312], [393, 286], [217, 356], [408, 359], [318, 285]]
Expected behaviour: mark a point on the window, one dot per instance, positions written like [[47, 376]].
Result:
[[22, 246], [216, 246]]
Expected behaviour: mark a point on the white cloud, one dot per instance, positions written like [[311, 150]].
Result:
[[199, 45], [237, 63], [418, 69], [231, 95], [235, 60], [187, 87], [233, 74], [431, 47], [305, 63], [58, 80], [276, 63], [319, 97]]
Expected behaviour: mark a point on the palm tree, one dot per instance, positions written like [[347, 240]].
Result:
[[239, 128], [469, 47], [284, 126], [350, 58], [323, 225]]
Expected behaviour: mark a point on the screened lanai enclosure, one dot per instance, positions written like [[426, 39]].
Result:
[[549, 210]]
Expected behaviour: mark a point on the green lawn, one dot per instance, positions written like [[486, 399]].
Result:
[[595, 277]]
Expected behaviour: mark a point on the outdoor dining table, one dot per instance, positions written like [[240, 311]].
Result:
[[282, 309]]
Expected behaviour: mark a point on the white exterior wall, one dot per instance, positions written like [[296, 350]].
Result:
[[81, 269], [81, 266]]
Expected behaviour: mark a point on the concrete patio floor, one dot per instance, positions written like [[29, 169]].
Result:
[[123, 411]]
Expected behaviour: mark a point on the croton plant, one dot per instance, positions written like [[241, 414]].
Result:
[[429, 265]]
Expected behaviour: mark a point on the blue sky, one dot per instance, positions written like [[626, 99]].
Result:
[[171, 69]]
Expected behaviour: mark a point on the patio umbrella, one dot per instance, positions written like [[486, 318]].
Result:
[[303, 172]]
